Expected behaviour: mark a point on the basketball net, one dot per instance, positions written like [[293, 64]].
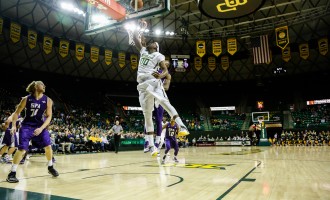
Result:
[[142, 26]]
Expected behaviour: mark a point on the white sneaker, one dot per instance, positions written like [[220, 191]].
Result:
[[146, 150], [183, 131]]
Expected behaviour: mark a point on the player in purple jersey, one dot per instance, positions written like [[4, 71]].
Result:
[[172, 130], [33, 127], [10, 141]]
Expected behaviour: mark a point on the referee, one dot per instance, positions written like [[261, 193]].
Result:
[[117, 129]]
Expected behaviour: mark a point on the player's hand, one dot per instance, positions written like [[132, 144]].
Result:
[[37, 131], [13, 130], [156, 75]]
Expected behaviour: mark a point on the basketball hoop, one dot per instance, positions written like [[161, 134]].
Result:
[[141, 28]]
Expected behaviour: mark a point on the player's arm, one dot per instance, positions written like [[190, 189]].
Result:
[[167, 82], [49, 113], [164, 71], [165, 125], [14, 116], [137, 40]]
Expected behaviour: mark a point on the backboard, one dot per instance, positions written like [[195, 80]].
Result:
[[103, 15], [256, 116]]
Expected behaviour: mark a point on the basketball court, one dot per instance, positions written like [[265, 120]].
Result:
[[202, 173]]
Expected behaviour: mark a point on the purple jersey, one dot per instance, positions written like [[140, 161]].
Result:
[[34, 112], [171, 131]]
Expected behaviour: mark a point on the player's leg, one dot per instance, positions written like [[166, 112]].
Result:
[[167, 149], [176, 150], [43, 141], [163, 100], [147, 104]]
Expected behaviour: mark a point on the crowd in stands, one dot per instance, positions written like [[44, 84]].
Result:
[[312, 116], [301, 138]]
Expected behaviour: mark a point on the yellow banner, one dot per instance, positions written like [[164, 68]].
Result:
[[282, 36], [121, 59], [216, 47], [231, 46], [15, 32], [286, 54], [304, 51], [225, 62], [200, 48], [108, 56], [80, 51], [211, 63], [94, 54], [1, 25], [198, 63], [134, 61], [323, 46], [32, 38], [63, 49], [48, 44]]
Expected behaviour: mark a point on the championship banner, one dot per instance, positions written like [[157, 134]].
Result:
[[80, 51], [323, 46], [304, 51], [32, 38], [225, 62], [134, 61], [121, 59], [286, 54], [63, 49], [198, 63], [1, 25], [108, 56], [211, 63], [216, 47], [231, 46], [282, 36], [48, 44], [94, 54], [200, 48], [15, 32]]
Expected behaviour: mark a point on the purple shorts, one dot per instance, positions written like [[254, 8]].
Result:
[[26, 134], [9, 139]]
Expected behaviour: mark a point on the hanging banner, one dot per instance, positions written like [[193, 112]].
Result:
[[211, 63], [1, 25], [286, 54], [231, 46], [80, 51], [32, 38], [15, 32], [63, 49], [216, 47], [94, 54], [121, 59], [198, 63], [225, 62], [134, 61], [323, 46], [304, 51], [48, 44], [200, 48], [108, 56], [282, 36]]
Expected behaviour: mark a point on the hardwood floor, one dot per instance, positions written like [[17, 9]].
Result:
[[202, 173]]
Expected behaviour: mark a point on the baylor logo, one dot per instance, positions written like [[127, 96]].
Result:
[[229, 9]]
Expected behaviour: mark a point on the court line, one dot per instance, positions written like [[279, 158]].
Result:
[[81, 170], [180, 178], [238, 182]]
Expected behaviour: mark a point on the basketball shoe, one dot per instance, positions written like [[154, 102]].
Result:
[[183, 131], [12, 178], [52, 171]]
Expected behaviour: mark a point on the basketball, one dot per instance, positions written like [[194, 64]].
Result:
[[139, 4]]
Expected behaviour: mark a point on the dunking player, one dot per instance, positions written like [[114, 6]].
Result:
[[172, 130], [158, 113], [33, 126], [9, 140], [150, 86]]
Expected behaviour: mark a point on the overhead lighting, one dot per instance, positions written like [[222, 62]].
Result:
[[71, 8]]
